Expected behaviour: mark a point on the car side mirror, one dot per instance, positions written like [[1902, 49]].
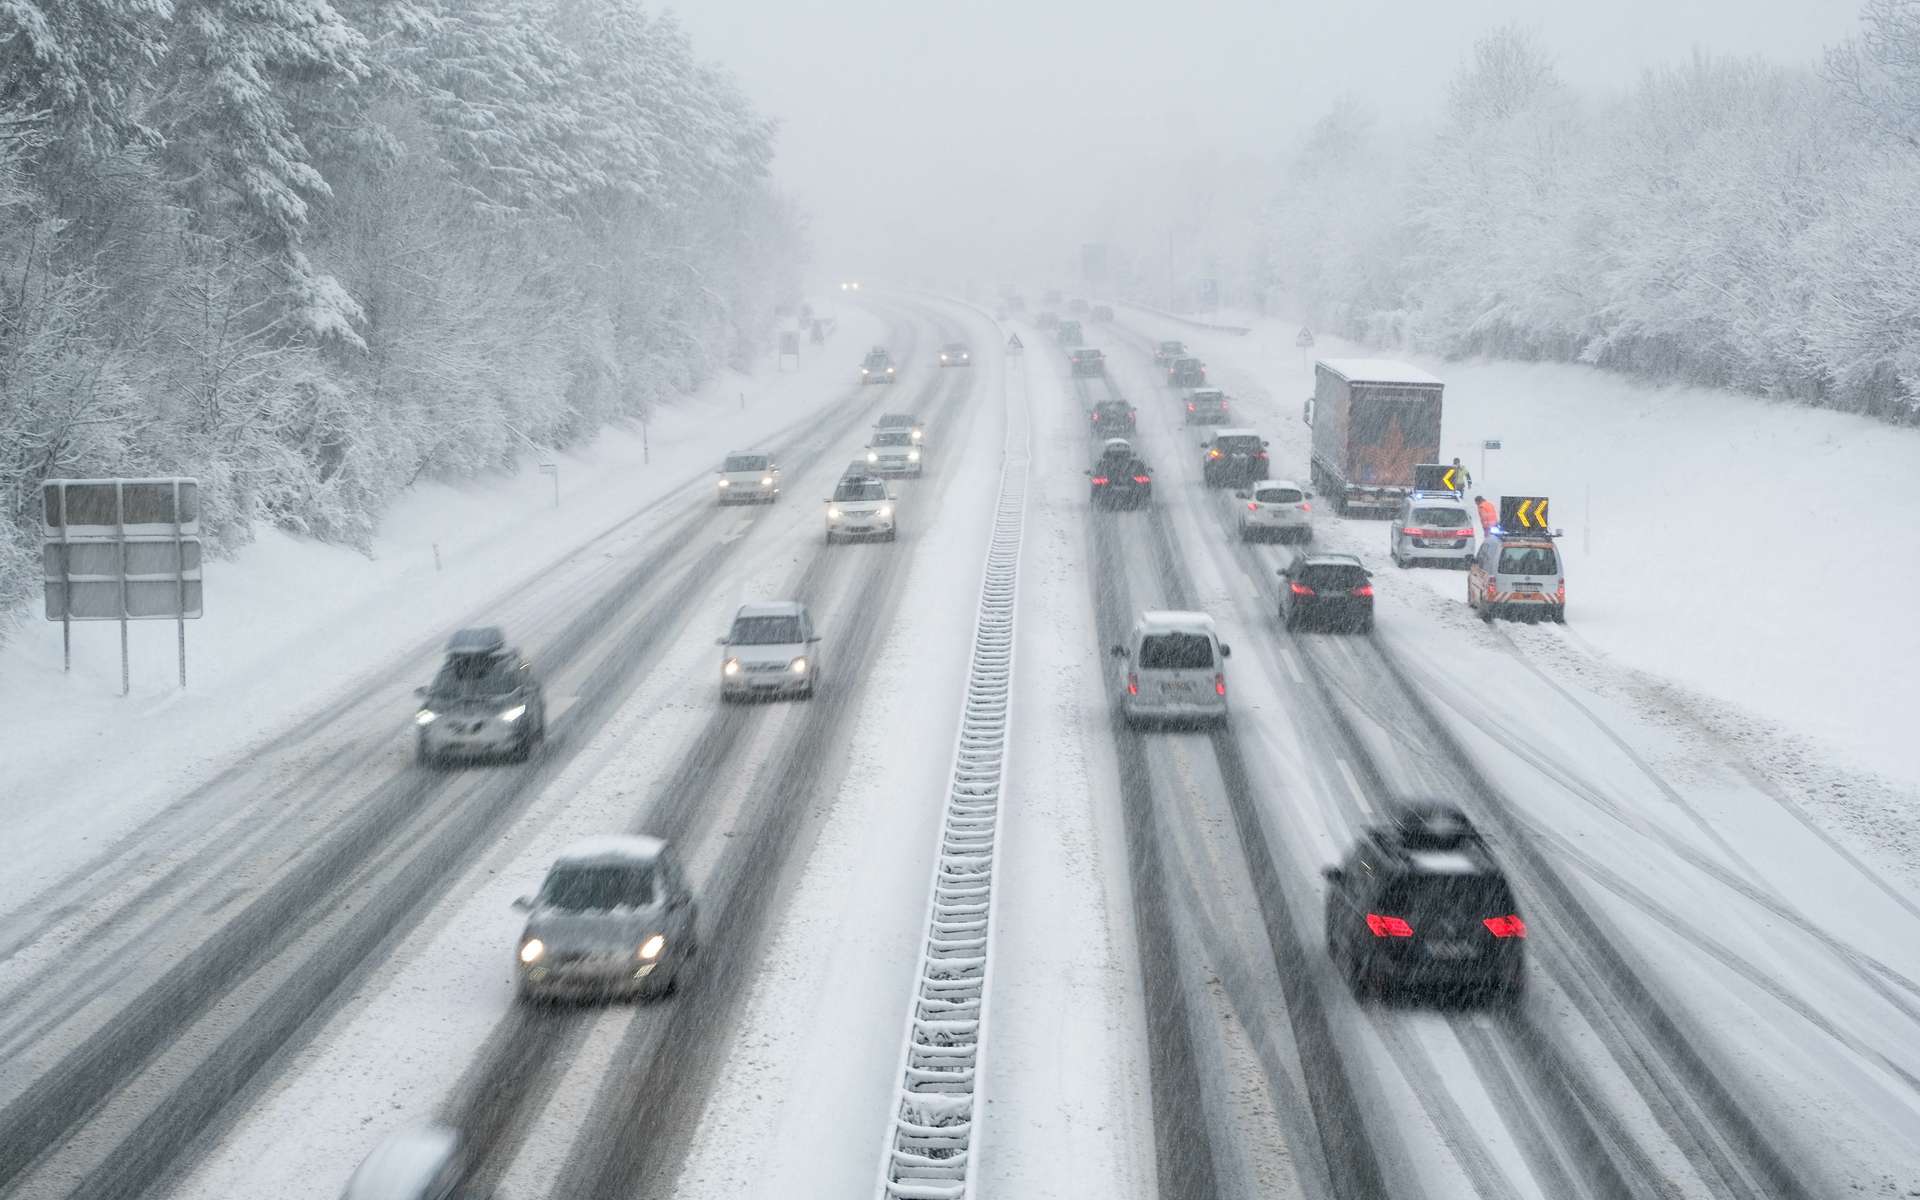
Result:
[[524, 904], [1119, 651], [1333, 874]]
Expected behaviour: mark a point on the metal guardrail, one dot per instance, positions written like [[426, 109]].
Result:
[[933, 1135]]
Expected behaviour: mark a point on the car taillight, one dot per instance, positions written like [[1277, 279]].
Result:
[[1365, 589], [1260, 454], [1305, 507], [1213, 454], [1143, 479], [1099, 480], [1223, 406], [1560, 593], [1388, 926], [1253, 506], [1190, 407], [1219, 685], [1460, 533], [1509, 926], [1300, 589], [1133, 684], [1410, 531]]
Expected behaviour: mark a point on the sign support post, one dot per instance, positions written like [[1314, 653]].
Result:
[[66, 588], [180, 584], [120, 515]]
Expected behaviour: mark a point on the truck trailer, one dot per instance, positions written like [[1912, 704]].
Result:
[[1372, 421]]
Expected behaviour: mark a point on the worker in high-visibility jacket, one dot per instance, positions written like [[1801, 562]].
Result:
[[1489, 515]]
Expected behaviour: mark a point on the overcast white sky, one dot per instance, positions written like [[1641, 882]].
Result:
[[921, 136]]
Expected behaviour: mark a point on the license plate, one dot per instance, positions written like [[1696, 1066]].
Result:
[[1176, 687], [1451, 950]]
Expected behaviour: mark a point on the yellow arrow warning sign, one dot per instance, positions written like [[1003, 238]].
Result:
[[1447, 481], [1523, 513]]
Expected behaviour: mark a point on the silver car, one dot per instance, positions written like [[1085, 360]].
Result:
[[862, 506], [614, 917], [484, 701], [770, 651], [749, 478], [1173, 668], [895, 452], [1431, 527], [423, 1163]]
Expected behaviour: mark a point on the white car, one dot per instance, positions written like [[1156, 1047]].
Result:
[[1278, 508], [1431, 527], [1173, 668], [895, 452], [771, 650], [749, 478], [862, 506]]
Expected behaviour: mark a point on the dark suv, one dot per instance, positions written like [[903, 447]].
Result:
[[1234, 458], [1330, 590], [1419, 902], [1113, 418], [1187, 371], [1089, 361]]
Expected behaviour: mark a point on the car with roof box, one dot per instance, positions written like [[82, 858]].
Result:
[[1331, 591], [749, 477], [614, 917], [1120, 478], [771, 649], [1420, 903], [485, 700], [1173, 670]]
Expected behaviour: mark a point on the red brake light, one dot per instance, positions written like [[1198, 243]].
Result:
[[1219, 685], [1305, 507], [1561, 593], [1133, 684], [1300, 589], [1460, 533], [1261, 454], [1099, 481], [1143, 479], [1190, 407], [1510, 926], [1365, 589], [1410, 531], [1253, 506], [1388, 926]]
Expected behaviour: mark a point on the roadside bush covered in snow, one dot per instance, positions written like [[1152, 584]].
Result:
[[311, 251], [1728, 222]]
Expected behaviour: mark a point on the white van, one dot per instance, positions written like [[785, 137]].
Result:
[[1518, 576], [1173, 668]]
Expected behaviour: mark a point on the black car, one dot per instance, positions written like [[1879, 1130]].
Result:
[[1121, 481], [1186, 371], [956, 354], [1166, 352], [1330, 590], [1113, 417], [1420, 903], [1089, 361], [1234, 458]]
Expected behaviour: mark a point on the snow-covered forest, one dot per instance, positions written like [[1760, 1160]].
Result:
[[311, 251], [1725, 221]]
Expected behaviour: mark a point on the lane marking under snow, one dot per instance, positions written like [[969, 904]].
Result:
[[1353, 785]]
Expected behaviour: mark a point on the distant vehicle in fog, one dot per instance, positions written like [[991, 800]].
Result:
[[749, 477], [956, 354], [1112, 417], [1186, 371], [1077, 307], [1101, 312], [1166, 352], [914, 426], [1088, 360], [1205, 406], [485, 700], [614, 918], [878, 367], [1069, 333]]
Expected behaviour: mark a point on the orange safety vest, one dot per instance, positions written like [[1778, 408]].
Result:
[[1488, 514]]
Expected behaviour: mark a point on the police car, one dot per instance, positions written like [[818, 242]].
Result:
[[1518, 575], [1431, 527]]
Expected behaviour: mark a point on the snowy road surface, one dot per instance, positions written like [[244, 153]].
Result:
[[241, 976]]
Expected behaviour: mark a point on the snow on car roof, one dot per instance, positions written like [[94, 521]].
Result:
[[1443, 862], [1235, 432], [613, 845], [1376, 370], [771, 608], [1175, 619], [1266, 485]]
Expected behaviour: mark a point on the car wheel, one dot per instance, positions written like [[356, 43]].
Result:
[[893, 534], [1486, 613], [829, 537], [1560, 615], [1290, 619], [1366, 626]]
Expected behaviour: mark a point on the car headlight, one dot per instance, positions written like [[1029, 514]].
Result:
[[886, 510], [913, 456], [425, 716], [532, 951], [833, 514], [514, 714], [864, 371], [917, 435], [798, 666], [732, 667], [766, 481], [889, 370], [651, 948], [726, 483], [873, 456], [943, 358]]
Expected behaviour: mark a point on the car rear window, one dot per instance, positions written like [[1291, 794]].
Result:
[[1236, 445], [1279, 496], [1332, 577], [599, 887], [1465, 897], [745, 462], [860, 489], [1438, 518], [1176, 652], [1528, 560], [764, 631]]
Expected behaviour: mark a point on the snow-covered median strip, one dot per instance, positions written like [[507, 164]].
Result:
[[930, 1138]]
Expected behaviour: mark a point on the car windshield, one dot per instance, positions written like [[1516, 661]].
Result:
[[1465, 897], [1332, 577], [1176, 652], [745, 462], [1236, 445], [598, 887], [1528, 560], [1441, 518], [476, 675], [764, 631], [956, 348], [860, 489], [893, 438], [1278, 496]]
